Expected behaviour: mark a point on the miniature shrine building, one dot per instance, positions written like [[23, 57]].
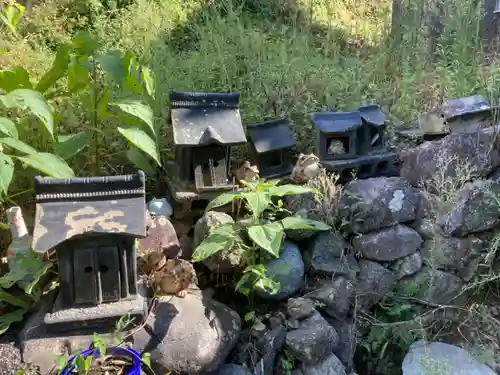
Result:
[[206, 126], [93, 224], [272, 147], [352, 143]]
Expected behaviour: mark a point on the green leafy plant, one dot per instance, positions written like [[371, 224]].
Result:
[[15, 303], [11, 15], [116, 89], [260, 235]]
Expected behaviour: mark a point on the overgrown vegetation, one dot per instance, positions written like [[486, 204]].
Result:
[[259, 236], [65, 88]]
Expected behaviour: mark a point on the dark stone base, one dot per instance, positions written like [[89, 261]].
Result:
[[374, 165], [62, 320], [41, 345]]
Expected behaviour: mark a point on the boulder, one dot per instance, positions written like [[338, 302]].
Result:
[[161, 237], [450, 253], [375, 203], [227, 261], [331, 365], [436, 287], [312, 341], [334, 295], [440, 358], [346, 329], [374, 282], [388, 244], [478, 152], [407, 266], [196, 334], [300, 308], [288, 270], [328, 255], [476, 209]]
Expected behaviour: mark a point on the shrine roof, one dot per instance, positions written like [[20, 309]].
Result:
[[337, 122], [271, 135], [66, 208], [200, 119], [372, 115]]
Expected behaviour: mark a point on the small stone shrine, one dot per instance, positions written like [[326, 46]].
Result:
[[462, 115], [272, 148], [352, 143], [205, 128], [92, 223]]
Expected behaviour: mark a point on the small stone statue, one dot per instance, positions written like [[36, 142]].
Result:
[[306, 168], [336, 147], [247, 172], [170, 276]]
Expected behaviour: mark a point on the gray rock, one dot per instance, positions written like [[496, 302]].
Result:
[[374, 282], [11, 358], [443, 359], [436, 287], [377, 203], [479, 152], [334, 295], [425, 227], [224, 261], [313, 340], [328, 255], [331, 365], [407, 266], [269, 346], [300, 308], [476, 209], [232, 369], [451, 253], [346, 349], [196, 333], [288, 270], [388, 244]]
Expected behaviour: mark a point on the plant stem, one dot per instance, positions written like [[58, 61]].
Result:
[[95, 120]]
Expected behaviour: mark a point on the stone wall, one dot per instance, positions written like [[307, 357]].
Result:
[[431, 228]]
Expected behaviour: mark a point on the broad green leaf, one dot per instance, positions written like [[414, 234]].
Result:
[[148, 77], [296, 222], [58, 69], [223, 199], [17, 78], [140, 110], [140, 139], [14, 300], [8, 128], [267, 284], [257, 201], [12, 317], [6, 173], [112, 64], [50, 164], [220, 238], [71, 144], [131, 74], [268, 237], [35, 102], [84, 44], [280, 191], [140, 161], [18, 145], [78, 74]]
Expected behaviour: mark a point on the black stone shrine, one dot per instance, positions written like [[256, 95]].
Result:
[[272, 148], [93, 224], [205, 128], [352, 143]]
